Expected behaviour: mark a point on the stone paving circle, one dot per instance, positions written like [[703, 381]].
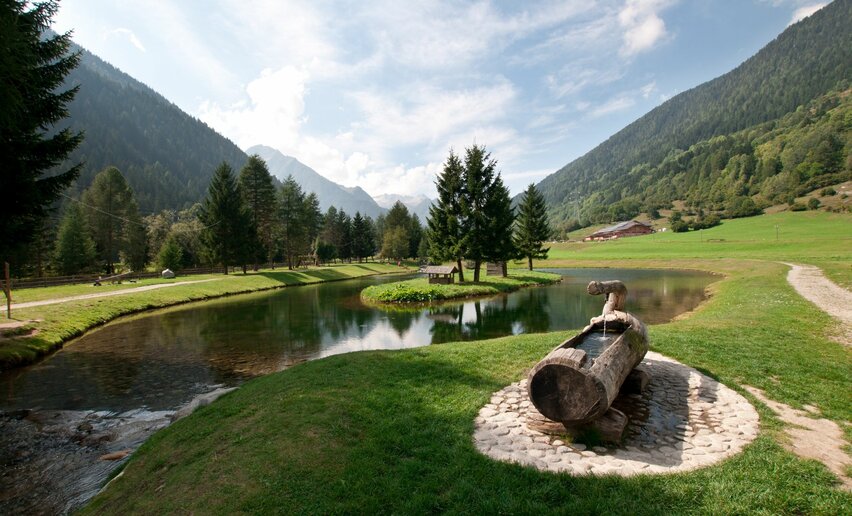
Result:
[[683, 421]]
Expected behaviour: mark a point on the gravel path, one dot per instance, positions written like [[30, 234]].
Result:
[[832, 299], [106, 294], [684, 420]]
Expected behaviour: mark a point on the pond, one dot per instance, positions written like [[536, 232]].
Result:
[[143, 368]]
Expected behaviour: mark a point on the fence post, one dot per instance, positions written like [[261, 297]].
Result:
[[7, 289]]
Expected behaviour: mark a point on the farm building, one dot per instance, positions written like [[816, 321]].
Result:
[[622, 229]]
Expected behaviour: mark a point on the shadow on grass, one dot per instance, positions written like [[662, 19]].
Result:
[[391, 432]]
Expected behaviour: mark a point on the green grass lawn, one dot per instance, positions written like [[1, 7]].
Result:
[[56, 324], [391, 432], [818, 238], [419, 290]]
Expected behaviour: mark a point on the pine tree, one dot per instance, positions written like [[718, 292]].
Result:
[[415, 235], [444, 222], [291, 218], [225, 219], [532, 229], [32, 102], [171, 254], [258, 193], [501, 217], [361, 238], [75, 249], [479, 170], [113, 217]]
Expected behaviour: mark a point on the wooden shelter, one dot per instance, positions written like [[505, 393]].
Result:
[[496, 269], [620, 230], [441, 274]]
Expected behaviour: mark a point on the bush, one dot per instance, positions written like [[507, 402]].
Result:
[[706, 222], [797, 206], [679, 226], [742, 206], [813, 203], [828, 192]]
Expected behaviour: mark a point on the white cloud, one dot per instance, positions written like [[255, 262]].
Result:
[[648, 89], [129, 34], [619, 103], [642, 26], [803, 12]]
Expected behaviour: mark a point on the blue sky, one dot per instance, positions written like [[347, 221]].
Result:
[[374, 94]]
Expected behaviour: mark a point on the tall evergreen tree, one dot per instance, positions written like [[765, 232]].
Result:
[[344, 224], [291, 218], [313, 221], [362, 237], [75, 249], [532, 229], [32, 102], [444, 228], [258, 193], [114, 220], [501, 217], [479, 171], [415, 235], [225, 219]]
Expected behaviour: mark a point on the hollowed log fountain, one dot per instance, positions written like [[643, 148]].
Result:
[[576, 383]]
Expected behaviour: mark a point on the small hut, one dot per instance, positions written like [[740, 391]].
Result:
[[496, 269], [441, 274]]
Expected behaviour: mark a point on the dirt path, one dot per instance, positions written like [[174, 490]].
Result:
[[812, 438], [836, 301], [106, 294]]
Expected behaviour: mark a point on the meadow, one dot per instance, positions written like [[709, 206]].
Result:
[[391, 431]]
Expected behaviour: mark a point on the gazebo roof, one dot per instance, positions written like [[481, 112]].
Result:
[[441, 269]]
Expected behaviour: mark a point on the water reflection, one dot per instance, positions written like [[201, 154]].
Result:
[[160, 361]]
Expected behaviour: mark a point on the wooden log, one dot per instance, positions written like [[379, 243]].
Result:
[[636, 382], [567, 386]]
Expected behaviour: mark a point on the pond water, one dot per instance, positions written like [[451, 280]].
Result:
[[145, 367]]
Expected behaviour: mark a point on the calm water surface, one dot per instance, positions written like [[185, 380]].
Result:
[[162, 360]]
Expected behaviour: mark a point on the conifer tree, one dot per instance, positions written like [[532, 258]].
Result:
[[291, 217], [171, 254], [479, 170], [225, 219], [32, 102], [501, 217], [444, 222], [75, 249], [113, 217], [532, 229], [258, 193]]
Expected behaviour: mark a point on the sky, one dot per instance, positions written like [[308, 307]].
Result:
[[375, 94]]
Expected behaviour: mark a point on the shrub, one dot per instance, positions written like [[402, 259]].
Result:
[[813, 203], [828, 192], [797, 206]]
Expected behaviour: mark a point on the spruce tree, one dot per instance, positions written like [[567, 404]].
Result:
[[32, 102], [113, 217], [226, 221], [500, 217], [479, 171], [258, 193], [532, 229], [291, 218], [444, 227], [75, 249]]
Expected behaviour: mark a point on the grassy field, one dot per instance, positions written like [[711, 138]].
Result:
[[55, 324], [818, 238], [391, 432], [419, 290]]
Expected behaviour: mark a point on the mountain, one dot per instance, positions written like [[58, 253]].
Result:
[[807, 60], [166, 155], [418, 204], [349, 199]]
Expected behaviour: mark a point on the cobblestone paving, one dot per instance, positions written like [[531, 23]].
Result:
[[684, 420]]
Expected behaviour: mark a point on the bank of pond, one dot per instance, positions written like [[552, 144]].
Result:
[[145, 367]]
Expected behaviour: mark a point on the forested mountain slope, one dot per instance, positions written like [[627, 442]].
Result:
[[350, 200], [807, 60], [166, 155]]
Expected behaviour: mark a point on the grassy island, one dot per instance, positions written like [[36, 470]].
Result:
[[420, 291]]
